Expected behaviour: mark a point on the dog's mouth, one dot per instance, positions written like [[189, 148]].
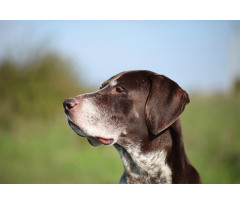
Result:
[[94, 141]]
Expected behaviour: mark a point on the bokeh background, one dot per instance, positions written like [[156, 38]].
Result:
[[44, 62]]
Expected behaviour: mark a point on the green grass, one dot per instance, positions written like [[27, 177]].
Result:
[[49, 152], [52, 153]]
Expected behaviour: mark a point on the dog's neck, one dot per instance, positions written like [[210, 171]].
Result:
[[144, 168], [156, 161]]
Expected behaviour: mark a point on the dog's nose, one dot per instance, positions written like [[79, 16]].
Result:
[[69, 104]]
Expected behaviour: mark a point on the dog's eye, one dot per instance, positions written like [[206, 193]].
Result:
[[119, 90]]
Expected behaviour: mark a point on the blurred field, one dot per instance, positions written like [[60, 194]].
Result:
[[38, 146], [212, 137], [52, 153]]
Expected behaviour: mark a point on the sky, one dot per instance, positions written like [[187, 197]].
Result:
[[199, 55]]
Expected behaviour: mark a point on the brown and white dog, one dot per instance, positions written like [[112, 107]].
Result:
[[137, 112]]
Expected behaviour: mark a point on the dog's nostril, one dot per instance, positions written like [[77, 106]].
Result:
[[69, 103]]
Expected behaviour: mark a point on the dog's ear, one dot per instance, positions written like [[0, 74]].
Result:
[[165, 102]]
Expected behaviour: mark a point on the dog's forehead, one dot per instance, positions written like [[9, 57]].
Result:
[[112, 79], [129, 79]]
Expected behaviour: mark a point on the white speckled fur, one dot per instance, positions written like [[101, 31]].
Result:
[[151, 163]]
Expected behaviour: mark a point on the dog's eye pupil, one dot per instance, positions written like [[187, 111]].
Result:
[[119, 90]]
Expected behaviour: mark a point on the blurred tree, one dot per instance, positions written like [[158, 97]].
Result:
[[236, 87], [35, 89]]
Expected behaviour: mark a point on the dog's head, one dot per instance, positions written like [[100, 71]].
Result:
[[126, 105]]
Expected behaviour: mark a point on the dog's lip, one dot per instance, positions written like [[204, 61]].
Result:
[[80, 132], [93, 141], [105, 141]]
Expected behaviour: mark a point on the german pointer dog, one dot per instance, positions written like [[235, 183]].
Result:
[[137, 112]]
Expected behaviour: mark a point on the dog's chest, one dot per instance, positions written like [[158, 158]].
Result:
[[145, 168]]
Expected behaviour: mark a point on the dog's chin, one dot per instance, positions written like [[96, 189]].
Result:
[[94, 141]]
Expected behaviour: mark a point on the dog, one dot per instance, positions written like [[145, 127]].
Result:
[[138, 113]]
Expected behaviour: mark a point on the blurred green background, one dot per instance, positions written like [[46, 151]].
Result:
[[38, 146]]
